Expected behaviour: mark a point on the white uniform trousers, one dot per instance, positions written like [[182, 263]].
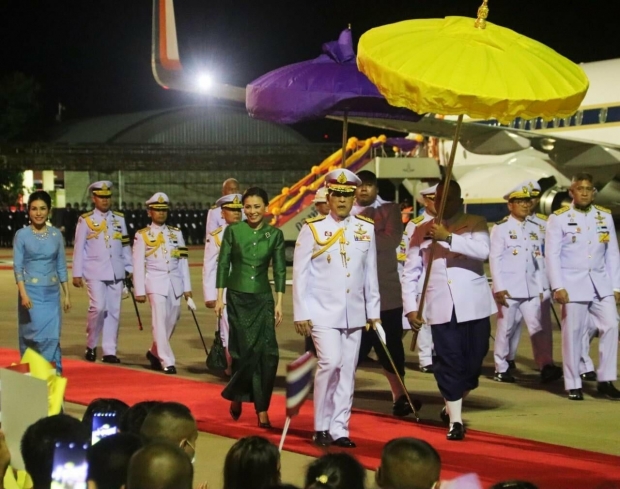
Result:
[[103, 314], [334, 382], [586, 364], [575, 317], [508, 319], [165, 312], [224, 328], [547, 328]]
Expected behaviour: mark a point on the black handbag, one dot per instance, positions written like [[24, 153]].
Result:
[[216, 359]]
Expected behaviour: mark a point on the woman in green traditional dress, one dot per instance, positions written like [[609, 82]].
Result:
[[246, 251]]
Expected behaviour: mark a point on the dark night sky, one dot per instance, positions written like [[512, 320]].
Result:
[[94, 56]]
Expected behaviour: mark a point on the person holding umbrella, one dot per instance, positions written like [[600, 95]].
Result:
[[459, 300], [161, 271]]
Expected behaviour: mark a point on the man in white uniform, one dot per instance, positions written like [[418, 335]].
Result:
[[425, 338], [102, 259], [214, 216], [583, 264], [161, 271], [517, 269], [335, 295], [231, 206]]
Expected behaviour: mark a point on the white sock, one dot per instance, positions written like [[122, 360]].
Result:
[[395, 386], [454, 411]]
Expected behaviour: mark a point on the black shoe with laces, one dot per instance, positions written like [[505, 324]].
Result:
[[90, 354]]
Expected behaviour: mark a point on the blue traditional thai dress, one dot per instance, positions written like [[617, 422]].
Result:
[[39, 261]]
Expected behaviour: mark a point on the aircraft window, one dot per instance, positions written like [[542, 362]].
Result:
[[579, 117], [602, 115]]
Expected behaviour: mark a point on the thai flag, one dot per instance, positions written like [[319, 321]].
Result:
[[299, 376]]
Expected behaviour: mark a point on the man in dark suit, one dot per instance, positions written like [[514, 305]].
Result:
[[388, 232]]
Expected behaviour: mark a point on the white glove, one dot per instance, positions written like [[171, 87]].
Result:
[[190, 304], [125, 293], [380, 332]]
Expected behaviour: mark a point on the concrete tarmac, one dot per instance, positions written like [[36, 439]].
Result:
[[526, 409]]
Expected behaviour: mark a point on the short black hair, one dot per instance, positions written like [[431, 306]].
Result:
[[578, 177], [336, 471], [452, 185], [40, 195], [256, 192], [108, 460], [252, 463], [131, 421], [408, 463], [160, 466], [170, 421], [104, 405], [367, 177], [38, 442]]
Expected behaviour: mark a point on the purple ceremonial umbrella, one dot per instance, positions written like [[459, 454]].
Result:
[[328, 85]]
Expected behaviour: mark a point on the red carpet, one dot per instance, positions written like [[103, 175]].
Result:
[[493, 457]]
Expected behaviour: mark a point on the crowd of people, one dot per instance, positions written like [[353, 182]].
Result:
[[190, 218], [359, 282], [154, 446]]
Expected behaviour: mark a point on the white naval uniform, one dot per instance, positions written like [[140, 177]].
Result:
[[582, 258], [161, 271], [102, 256], [515, 258], [425, 337], [209, 273], [335, 286]]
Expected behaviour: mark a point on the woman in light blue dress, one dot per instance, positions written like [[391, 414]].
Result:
[[40, 272]]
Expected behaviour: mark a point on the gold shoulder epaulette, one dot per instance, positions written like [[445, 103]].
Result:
[[502, 221], [173, 228], [544, 217], [562, 210], [88, 214], [364, 218], [318, 218], [217, 231], [117, 213], [214, 206], [143, 230], [418, 219], [603, 209]]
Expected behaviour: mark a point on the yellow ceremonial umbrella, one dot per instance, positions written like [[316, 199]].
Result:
[[463, 66]]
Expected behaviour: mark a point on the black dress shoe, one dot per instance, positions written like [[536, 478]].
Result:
[[402, 407], [155, 363], [428, 369], [266, 426], [608, 390], [233, 413], [549, 373], [90, 354], [575, 395], [322, 438], [457, 432], [344, 442], [110, 359], [504, 377], [171, 370], [588, 376], [443, 414], [512, 365]]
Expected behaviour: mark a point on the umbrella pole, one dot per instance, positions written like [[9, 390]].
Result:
[[438, 218], [345, 128]]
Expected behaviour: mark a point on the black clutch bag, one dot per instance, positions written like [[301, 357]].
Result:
[[216, 359]]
